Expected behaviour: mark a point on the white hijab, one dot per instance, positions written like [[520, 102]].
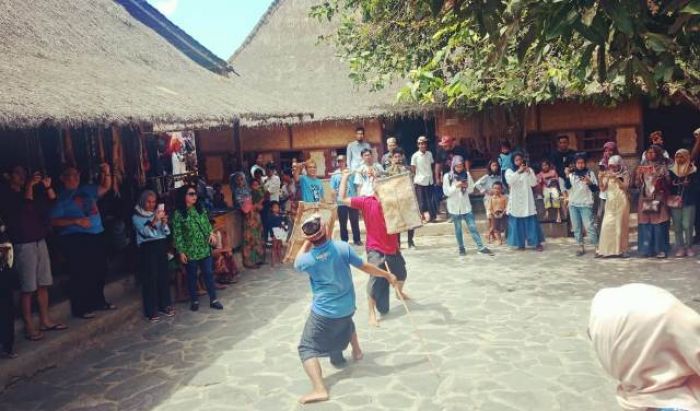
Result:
[[650, 342]]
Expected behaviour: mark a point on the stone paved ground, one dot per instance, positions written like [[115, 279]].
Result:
[[505, 333]]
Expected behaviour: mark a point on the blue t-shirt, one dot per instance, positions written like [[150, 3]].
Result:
[[328, 267], [335, 185], [78, 203], [311, 189]]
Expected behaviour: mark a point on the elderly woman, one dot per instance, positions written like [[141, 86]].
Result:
[[253, 247], [647, 340], [682, 201], [77, 220], [151, 227], [653, 180], [193, 236], [614, 229]]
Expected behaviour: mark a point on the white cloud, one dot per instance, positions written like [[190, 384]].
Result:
[[167, 7]]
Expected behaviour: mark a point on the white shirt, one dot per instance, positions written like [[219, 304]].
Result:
[[458, 202], [423, 162], [580, 194], [521, 202], [365, 181], [273, 186]]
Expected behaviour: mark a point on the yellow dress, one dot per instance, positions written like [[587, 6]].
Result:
[[614, 230]]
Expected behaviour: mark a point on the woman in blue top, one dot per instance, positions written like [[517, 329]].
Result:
[[77, 219], [151, 227]]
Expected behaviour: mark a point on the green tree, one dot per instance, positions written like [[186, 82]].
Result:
[[472, 54]]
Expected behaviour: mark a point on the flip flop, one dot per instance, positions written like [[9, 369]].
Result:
[[55, 327], [107, 307]]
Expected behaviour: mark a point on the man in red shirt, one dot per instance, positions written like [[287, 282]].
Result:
[[382, 250]]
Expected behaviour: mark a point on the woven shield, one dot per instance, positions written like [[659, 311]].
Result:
[[399, 202], [328, 212]]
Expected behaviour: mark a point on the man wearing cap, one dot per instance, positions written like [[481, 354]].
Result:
[[382, 250], [329, 328], [345, 212], [422, 166], [391, 145]]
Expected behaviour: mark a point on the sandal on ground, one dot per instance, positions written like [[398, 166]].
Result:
[[219, 286], [55, 327], [154, 319], [34, 337], [86, 316], [107, 307], [8, 355]]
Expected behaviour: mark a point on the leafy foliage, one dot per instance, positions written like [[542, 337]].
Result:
[[470, 54]]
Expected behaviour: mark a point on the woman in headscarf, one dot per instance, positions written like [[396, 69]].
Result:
[[523, 226], [614, 229], [457, 185], [609, 150], [584, 185], [653, 181], [650, 342], [151, 227], [253, 248], [682, 201]]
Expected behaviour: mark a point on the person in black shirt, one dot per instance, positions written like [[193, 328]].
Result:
[[563, 157]]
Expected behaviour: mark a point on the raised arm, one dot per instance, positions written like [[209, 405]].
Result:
[[344, 188]]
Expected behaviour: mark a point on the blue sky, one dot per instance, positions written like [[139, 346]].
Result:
[[220, 25]]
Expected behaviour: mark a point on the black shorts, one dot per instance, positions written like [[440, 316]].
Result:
[[424, 195], [378, 287]]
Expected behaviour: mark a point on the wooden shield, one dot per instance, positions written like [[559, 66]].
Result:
[[328, 212], [399, 202]]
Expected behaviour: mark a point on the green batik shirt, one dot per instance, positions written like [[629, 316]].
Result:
[[191, 234]]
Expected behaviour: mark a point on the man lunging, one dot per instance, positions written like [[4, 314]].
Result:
[[329, 328], [382, 251]]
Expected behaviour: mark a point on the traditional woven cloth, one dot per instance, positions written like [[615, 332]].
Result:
[[399, 203]]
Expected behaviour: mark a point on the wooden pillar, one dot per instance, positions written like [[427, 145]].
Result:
[[237, 141]]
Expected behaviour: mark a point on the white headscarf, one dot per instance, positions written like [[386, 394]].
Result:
[[650, 342]]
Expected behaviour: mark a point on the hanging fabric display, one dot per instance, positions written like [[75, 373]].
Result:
[[69, 155], [117, 160]]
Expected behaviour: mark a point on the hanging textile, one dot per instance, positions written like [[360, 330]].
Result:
[[69, 154], [117, 160]]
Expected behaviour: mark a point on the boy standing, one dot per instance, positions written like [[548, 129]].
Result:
[[422, 167], [329, 328]]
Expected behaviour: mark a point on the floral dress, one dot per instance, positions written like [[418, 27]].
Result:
[[253, 247]]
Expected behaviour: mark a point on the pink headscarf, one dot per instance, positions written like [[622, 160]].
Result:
[[650, 342], [610, 145]]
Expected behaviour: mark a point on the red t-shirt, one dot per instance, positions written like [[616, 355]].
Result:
[[377, 237]]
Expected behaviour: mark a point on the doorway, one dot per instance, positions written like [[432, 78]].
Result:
[[408, 129], [677, 124]]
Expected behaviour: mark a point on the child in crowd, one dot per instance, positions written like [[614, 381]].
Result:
[[505, 160], [550, 189], [280, 231], [497, 212], [485, 186], [225, 268], [218, 200]]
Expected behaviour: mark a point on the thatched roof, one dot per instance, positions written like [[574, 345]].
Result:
[[90, 61], [282, 57]]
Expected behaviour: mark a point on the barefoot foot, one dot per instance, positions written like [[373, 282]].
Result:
[[314, 396], [358, 355], [373, 321]]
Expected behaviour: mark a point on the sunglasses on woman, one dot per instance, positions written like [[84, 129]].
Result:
[[192, 193]]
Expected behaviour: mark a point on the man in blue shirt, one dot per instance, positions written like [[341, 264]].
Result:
[[310, 185], [329, 328], [345, 212], [355, 148]]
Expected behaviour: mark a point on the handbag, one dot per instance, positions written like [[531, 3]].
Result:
[[675, 200]]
